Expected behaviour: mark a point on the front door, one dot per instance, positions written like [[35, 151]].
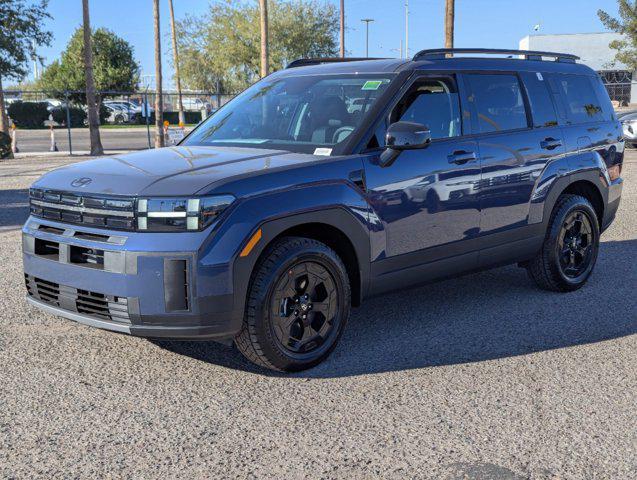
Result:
[[425, 202]]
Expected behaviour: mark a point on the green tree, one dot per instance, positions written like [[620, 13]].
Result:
[[223, 48], [114, 67], [20, 29], [626, 24]]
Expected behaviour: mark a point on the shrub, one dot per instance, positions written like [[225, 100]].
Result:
[[5, 145], [190, 117], [77, 114], [28, 114]]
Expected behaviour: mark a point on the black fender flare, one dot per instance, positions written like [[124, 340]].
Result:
[[337, 217]]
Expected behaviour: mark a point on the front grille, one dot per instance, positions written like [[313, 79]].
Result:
[[93, 304], [117, 213]]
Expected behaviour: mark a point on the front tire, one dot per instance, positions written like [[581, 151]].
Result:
[[570, 249], [297, 307]]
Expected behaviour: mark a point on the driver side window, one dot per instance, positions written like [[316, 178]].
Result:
[[433, 102]]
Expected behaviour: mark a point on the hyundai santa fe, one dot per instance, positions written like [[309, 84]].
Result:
[[327, 183]]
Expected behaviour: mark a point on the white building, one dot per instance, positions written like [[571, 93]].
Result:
[[594, 51]]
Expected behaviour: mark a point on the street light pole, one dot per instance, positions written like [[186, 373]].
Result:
[[406, 28], [367, 21], [342, 28]]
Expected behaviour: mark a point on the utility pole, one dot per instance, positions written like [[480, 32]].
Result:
[[342, 28], [367, 21], [406, 28], [159, 101], [91, 105], [449, 23], [182, 119], [265, 65]]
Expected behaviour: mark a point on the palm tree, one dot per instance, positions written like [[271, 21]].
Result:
[[265, 67], [4, 120], [182, 119], [449, 21], [93, 115], [159, 104]]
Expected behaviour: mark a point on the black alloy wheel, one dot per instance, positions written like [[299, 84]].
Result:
[[575, 244], [569, 252], [297, 307], [304, 307]]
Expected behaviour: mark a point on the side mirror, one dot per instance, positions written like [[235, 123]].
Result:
[[403, 136]]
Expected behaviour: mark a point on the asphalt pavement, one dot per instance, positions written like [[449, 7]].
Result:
[[481, 377]]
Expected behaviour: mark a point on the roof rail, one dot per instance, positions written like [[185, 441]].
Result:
[[439, 53], [303, 62]]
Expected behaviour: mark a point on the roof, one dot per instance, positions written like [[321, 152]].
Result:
[[455, 64]]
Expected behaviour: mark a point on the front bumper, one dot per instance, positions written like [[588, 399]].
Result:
[[144, 284]]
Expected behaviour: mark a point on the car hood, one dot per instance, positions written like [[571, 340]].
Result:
[[166, 171]]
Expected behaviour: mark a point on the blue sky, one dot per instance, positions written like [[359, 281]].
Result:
[[482, 23]]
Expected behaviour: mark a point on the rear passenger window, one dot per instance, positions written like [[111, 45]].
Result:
[[542, 109], [582, 104], [498, 102]]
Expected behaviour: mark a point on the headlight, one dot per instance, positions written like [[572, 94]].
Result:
[[179, 214]]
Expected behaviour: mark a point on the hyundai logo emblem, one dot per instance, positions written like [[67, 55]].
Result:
[[81, 182]]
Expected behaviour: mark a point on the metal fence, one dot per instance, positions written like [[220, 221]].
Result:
[[127, 118], [618, 83]]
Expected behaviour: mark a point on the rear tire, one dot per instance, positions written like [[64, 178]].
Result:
[[569, 252], [297, 307]]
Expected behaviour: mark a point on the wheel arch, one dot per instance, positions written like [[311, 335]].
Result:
[[588, 190], [336, 227], [590, 183]]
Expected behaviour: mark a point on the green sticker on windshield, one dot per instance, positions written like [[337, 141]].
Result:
[[372, 85]]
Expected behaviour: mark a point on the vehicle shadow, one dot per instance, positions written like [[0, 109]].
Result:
[[14, 208], [485, 316]]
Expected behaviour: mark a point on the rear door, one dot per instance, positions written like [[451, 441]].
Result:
[[518, 134]]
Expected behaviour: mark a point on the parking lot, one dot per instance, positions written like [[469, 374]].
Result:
[[113, 139], [481, 377]]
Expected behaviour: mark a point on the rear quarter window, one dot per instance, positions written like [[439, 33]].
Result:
[[581, 102]]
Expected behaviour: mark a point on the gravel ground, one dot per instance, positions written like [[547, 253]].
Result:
[[482, 377]]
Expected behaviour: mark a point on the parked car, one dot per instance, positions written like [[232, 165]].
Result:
[[194, 104], [284, 209], [53, 103], [118, 114], [629, 127]]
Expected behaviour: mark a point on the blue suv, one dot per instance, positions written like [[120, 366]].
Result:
[[326, 183]]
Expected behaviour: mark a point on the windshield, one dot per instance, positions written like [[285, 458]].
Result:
[[306, 114]]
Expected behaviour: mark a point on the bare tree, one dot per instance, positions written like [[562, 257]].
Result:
[[342, 28], [159, 103], [182, 118], [449, 23], [265, 67], [91, 104]]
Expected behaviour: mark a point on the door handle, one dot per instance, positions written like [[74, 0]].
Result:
[[550, 143], [460, 157]]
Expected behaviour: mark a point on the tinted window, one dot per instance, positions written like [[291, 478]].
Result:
[[602, 94], [294, 113], [582, 104], [432, 102], [542, 108], [498, 102]]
